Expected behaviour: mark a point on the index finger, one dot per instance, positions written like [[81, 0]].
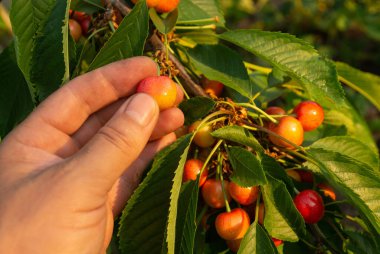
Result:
[[69, 107]]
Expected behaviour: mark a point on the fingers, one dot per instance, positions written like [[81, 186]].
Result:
[[128, 182], [169, 121], [89, 93], [115, 147]]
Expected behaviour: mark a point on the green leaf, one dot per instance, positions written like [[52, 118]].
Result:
[[30, 21], [220, 63], [282, 219], [193, 10], [145, 218], [275, 170], [128, 40], [15, 99], [356, 126], [365, 83], [349, 147], [196, 108], [87, 6], [357, 181], [296, 58], [247, 168], [360, 243], [164, 25], [257, 241], [52, 44], [186, 217], [239, 135]]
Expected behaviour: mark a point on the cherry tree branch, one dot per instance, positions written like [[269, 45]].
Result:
[[157, 44]]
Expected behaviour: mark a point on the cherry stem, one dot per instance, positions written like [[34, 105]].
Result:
[[111, 26], [336, 202], [319, 232], [248, 105], [182, 88], [213, 19], [210, 156], [220, 173], [212, 26]]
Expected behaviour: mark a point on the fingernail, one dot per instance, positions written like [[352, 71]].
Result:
[[142, 108]]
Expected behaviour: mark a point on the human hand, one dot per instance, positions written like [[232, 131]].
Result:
[[70, 167]]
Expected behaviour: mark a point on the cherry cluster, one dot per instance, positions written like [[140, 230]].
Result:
[[79, 24], [217, 191]]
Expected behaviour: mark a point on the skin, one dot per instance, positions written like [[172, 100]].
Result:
[[69, 168], [232, 225]]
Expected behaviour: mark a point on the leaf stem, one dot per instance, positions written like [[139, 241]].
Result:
[[255, 67], [248, 105], [212, 26], [220, 173]]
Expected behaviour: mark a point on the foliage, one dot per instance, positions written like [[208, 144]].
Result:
[[191, 44]]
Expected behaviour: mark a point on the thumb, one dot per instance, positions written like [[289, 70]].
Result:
[[117, 145]]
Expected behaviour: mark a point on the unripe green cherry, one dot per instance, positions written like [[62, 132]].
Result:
[[203, 137]]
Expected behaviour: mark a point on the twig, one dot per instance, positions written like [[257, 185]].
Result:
[[189, 83]]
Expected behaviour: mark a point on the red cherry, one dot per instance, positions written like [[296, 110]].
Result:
[[85, 25], [212, 193], [234, 245], [192, 169], [166, 5], [306, 176], [310, 204], [75, 29], [212, 87], [242, 195], [289, 128], [294, 174], [275, 111], [161, 88], [327, 190], [277, 242], [310, 114], [232, 225]]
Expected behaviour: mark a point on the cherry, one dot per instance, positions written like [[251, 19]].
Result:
[[310, 114], [242, 195], [275, 111], [85, 25], [289, 128], [192, 169], [310, 205], [166, 5], [212, 193], [161, 88], [149, 3], [203, 137], [277, 242], [327, 190], [294, 174], [212, 87], [234, 245], [232, 225], [75, 29], [306, 176]]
